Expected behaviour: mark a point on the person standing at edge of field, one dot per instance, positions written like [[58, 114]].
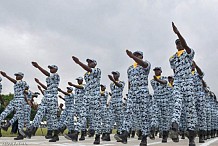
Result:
[[181, 63], [161, 96], [91, 99], [17, 103], [51, 102], [138, 98]]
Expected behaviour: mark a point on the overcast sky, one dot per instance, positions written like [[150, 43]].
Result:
[[51, 31]]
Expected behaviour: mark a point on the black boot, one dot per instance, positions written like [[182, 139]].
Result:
[[217, 133], [55, 137], [152, 133], [122, 137], [103, 135], [139, 135], [174, 132], [165, 136], [191, 138], [6, 126], [19, 137], [49, 134], [143, 141], [201, 136], [208, 134], [82, 136], [212, 133], [205, 135], [73, 136], [106, 137], [183, 135], [97, 139], [34, 131], [133, 134]]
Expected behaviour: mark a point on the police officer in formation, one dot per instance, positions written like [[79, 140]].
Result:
[[177, 105]]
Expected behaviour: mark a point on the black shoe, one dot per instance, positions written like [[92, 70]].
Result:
[[49, 134], [103, 135], [201, 136], [152, 133], [212, 133], [55, 137], [143, 141], [19, 137], [6, 126], [139, 134], [208, 134], [174, 132], [97, 139], [73, 137], [122, 137], [133, 134], [106, 137], [82, 136], [191, 138], [165, 136], [183, 135]]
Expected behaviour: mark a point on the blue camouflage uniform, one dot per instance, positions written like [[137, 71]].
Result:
[[17, 103], [116, 104], [183, 88], [137, 110], [91, 101], [161, 96], [67, 116]]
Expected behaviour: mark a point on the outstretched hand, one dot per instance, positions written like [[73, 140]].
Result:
[[175, 28], [3, 74], [69, 83], [35, 64], [110, 77], [129, 53], [37, 80], [75, 59]]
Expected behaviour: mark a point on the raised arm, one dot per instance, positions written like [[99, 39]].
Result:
[[65, 93], [182, 40], [40, 89], [36, 65], [160, 81], [76, 86], [61, 97], [84, 66], [8, 77], [40, 83], [113, 80], [136, 59]]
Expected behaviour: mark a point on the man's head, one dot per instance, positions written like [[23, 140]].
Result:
[[179, 45], [79, 80], [138, 54], [170, 79], [19, 75], [53, 68], [69, 89], [116, 75], [61, 105], [91, 63], [103, 87], [157, 71]]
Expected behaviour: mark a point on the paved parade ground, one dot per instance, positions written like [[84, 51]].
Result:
[[41, 141]]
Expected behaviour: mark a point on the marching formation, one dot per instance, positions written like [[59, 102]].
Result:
[[181, 104]]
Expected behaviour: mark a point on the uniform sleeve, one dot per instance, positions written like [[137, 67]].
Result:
[[96, 72], [171, 60], [153, 84], [148, 67], [123, 84]]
